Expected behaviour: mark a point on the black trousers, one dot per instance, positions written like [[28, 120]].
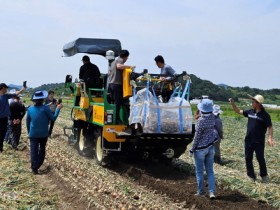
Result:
[[116, 92], [51, 127], [258, 148], [3, 130], [13, 133], [37, 152]]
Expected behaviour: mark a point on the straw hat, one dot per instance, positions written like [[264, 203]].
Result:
[[258, 98]]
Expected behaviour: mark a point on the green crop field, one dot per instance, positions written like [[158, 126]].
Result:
[[228, 111]]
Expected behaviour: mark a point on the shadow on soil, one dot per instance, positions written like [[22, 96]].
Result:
[[177, 180]]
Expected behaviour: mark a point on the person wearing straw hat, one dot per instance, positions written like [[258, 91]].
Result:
[[5, 110], [219, 128], [258, 123], [37, 121], [203, 148]]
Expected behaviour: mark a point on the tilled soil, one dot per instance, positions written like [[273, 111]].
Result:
[[181, 187], [82, 184]]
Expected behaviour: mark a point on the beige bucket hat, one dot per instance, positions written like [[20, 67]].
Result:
[[258, 98]]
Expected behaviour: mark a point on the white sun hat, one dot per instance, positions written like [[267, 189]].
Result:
[[217, 109]]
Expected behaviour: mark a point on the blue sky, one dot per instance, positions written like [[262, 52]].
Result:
[[236, 42]]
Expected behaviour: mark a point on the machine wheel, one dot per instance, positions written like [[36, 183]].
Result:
[[81, 143], [100, 156], [86, 144], [84, 139]]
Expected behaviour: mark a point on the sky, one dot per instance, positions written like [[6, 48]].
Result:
[[234, 42]]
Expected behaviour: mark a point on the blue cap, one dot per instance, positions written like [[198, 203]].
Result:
[[206, 105], [39, 94]]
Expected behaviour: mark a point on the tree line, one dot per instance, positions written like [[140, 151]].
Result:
[[199, 87]]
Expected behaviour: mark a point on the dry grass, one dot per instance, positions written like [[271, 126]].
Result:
[[18, 188]]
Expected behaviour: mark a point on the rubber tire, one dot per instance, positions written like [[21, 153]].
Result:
[[99, 154], [81, 143]]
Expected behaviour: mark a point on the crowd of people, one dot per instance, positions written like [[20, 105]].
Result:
[[205, 148], [209, 133], [39, 121]]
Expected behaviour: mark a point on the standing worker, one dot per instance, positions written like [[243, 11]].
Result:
[[258, 122], [219, 128], [5, 110], [116, 81], [89, 73], [37, 121], [14, 126], [203, 148], [51, 102]]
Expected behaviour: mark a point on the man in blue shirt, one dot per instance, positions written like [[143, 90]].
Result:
[[258, 122], [5, 110], [37, 121]]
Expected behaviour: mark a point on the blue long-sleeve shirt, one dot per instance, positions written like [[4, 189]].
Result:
[[205, 132], [4, 105], [37, 120]]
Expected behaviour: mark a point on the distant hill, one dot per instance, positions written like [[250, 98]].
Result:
[[58, 89], [223, 86], [199, 87], [17, 87], [223, 92]]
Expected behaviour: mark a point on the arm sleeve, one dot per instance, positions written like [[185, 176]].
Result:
[[28, 120], [245, 113], [98, 72], [81, 74], [170, 70], [197, 135], [219, 127], [268, 121], [52, 116], [11, 95], [22, 113]]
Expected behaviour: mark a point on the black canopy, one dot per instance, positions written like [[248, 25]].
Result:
[[92, 46]]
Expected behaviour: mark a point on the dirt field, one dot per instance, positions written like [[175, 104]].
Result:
[[81, 184], [76, 182]]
